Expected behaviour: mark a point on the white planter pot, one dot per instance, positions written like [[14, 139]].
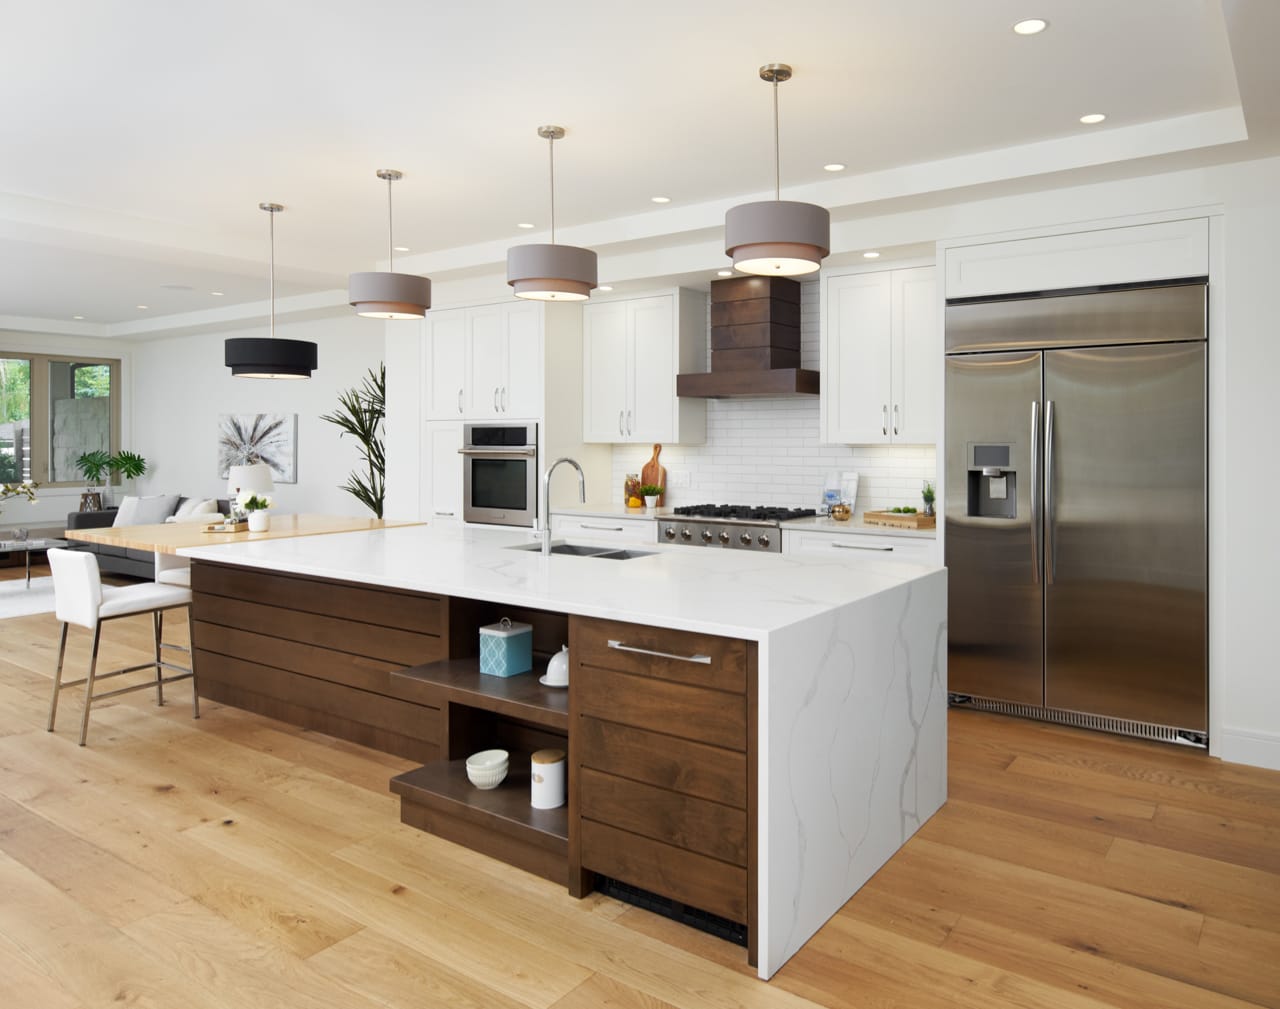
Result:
[[259, 521]]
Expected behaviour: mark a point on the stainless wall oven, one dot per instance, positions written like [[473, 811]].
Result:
[[500, 474]]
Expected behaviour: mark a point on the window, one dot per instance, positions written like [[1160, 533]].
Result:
[[53, 410]]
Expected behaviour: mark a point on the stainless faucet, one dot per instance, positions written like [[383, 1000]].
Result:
[[546, 498]]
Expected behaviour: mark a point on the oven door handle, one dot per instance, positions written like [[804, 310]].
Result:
[[528, 451]]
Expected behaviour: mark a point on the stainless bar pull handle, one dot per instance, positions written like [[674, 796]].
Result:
[[504, 399], [527, 450], [620, 431], [628, 422], [1035, 492], [459, 401], [495, 399], [853, 546], [884, 420], [895, 418], [603, 529], [1050, 541], [619, 646], [447, 515]]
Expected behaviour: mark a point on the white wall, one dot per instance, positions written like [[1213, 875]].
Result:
[[183, 386], [768, 451]]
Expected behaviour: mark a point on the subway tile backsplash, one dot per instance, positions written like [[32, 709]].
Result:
[[767, 451]]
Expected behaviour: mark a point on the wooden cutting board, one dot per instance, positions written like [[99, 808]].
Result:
[[653, 472], [898, 520]]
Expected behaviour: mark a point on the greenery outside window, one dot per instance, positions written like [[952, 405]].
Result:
[[53, 409]]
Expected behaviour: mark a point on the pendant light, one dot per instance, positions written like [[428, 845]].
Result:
[[388, 295], [777, 238], [551, 272], [253, 357]]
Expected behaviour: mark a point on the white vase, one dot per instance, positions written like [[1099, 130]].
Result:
[[259, 521]]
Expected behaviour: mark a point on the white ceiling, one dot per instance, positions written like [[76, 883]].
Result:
[[139, 136]]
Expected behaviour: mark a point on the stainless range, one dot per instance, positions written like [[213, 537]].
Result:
[[735, 527]]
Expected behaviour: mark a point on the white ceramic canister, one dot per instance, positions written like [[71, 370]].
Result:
[[547, 781]]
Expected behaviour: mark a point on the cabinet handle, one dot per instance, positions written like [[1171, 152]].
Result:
[[619, 646], [854, 546], [495, 399], [620, 431], [459, 401], [895, 418], [603, 529], [447, 515], [628, 422], [504, 399], [884, 420]]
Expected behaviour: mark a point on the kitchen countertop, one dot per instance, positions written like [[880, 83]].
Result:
[[610, 511], [727, 592]]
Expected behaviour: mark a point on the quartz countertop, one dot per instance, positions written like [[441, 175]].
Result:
[[727, 592]]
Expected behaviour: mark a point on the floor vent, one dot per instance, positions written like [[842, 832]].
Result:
[[721, 928], [1102, 723]]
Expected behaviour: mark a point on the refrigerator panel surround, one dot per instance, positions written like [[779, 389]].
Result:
[[1126, 569], [995, 612]]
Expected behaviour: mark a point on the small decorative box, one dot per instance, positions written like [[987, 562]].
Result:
[[506, 648]]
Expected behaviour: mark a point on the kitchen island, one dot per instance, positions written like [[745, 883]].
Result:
[[839, 667]]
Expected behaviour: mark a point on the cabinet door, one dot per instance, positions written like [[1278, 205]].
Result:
[[604, 372], [444, 364], [917, 358], [855, 386], [521, 392], [444, 496], [650, 413], [485, 377]]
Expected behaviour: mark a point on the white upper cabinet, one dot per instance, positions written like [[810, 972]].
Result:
[[631, 352], [484, 363], [881, 358]]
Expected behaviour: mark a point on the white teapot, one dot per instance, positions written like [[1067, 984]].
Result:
[[558, 669]]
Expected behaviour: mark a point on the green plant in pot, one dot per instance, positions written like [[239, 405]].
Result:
[[255, 506], [928, 496], [96, 465], [361, 413], [651, 492]]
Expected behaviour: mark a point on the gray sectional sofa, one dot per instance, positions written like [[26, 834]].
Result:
[[118, 560]]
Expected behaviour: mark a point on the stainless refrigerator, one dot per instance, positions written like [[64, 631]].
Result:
[[1076, 506]]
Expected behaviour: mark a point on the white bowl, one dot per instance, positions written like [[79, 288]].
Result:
[[488, 768]]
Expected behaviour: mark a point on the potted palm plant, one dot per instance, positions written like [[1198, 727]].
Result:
[[97, 464]]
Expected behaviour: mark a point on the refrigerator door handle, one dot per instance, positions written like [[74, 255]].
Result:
[[1035, 496], [1049, 548]]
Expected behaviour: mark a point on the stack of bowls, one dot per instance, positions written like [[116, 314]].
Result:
[[488, 768]]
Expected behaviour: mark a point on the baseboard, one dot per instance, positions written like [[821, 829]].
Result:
[[1243, 746]]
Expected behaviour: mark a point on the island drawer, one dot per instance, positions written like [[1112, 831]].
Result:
[[675, 818], [686, 876], [675, 709], [662, 654]]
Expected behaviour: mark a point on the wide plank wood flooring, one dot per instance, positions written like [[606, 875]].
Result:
[[235, 862]]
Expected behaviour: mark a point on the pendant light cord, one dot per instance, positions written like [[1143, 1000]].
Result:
[[551, 152], [272, 217], [777, 157], [390, 246]]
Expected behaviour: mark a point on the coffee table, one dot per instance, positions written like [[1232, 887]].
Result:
[[27, 546]]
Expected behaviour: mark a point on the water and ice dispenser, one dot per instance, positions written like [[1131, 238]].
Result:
[[993, 485]]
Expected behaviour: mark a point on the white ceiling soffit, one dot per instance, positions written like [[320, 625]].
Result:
[[141, 146]]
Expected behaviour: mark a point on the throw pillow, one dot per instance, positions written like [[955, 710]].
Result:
[[141, 511], [197, 517], [195, 506]]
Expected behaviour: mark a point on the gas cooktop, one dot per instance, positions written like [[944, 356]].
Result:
[[752, 513]]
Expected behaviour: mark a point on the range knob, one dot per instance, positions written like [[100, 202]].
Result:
[[724, 537], [763, 540], [707, 536], [669, 532], [745, 539], [686, 534]]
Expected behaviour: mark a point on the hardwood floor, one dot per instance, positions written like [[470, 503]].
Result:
[[236, 862]]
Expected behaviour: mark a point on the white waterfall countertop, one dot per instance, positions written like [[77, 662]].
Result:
[[851, 719]]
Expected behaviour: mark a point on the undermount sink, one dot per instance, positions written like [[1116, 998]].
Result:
[[585, 550]]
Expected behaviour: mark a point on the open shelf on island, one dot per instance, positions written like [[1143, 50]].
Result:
[[499, 821], [460, 682]]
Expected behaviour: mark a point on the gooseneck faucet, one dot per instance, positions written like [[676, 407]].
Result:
[[546, 498]]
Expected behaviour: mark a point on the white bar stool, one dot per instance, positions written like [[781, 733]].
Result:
[[80, 598]]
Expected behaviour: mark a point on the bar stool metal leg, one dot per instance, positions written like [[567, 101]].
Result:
[[157, 627], [191, 656], [57, 676], [88, 688]]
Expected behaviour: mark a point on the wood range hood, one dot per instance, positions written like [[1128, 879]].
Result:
[[755, 342]]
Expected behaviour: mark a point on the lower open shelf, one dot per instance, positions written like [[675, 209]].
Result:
[[499, 822]]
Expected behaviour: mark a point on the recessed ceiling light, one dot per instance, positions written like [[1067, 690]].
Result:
[[217, 294], [77, 317], [871, 255], [144, 307], [525, 225], [605, 287], [835, 166], [1092, 118], [724, 273], [1030, 26], [660, 199], [400, 248]]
